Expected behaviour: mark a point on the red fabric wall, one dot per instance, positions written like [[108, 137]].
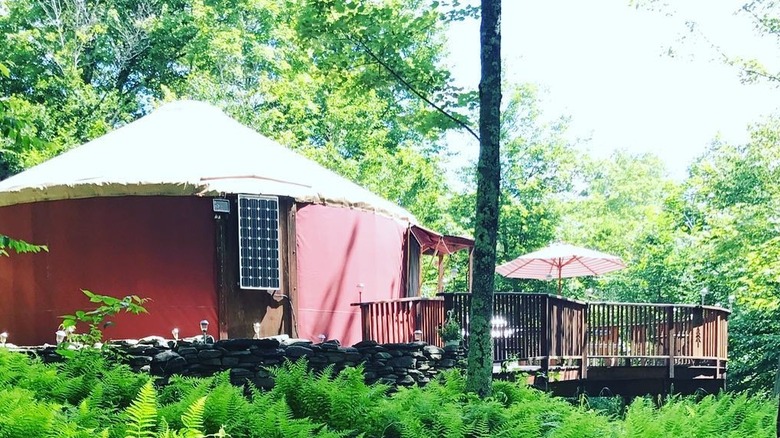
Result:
[[161, 248], [337, 249]]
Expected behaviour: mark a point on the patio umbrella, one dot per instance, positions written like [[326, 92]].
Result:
[[560, 260]]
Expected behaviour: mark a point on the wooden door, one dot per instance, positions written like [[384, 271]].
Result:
[[240, 309]]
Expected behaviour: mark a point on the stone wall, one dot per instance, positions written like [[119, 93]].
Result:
[[251, 359]]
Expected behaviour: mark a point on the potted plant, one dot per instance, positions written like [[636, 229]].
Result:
[[450, 331]]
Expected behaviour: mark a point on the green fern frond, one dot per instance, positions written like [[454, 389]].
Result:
[[142, 413], [226, 406], [193, 418], [164, 427], [22, 416], [181, 392], [479, 428]]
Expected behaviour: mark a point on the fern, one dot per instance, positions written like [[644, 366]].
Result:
[[351, 400], [180, 387], [292, 382], [165, 430], [87, 397], [20, 371], [22, 416], [274, 419], [479, 428], [723, 415], [119, 386], [225, 405], [80, 374], [179, 394], [193, 418], [142, 413]]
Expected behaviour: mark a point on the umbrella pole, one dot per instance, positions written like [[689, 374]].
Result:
[[559, 281]]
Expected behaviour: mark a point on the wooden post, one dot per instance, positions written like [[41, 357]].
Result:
[[546, 334], [440, 281], [449, 304], [471, 268], [671, 337], [716, 338], [223, 288], [584, 343], [408, 292], [418, 293], [292, 264], [365, 322]]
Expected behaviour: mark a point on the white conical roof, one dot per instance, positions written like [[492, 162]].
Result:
[[187, 148]]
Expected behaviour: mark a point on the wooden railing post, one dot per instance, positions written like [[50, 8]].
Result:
[[717, 338], [546, 338], [584, 343], [448, 302], [440, 275], [417, 312], [365, 321], [671, 338], [723, 341]]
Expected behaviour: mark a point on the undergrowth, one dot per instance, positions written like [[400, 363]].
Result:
[[89, 396]]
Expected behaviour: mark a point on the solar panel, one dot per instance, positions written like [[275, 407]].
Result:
[[258, 242]]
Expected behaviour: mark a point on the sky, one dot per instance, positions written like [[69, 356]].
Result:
[[605, 64]]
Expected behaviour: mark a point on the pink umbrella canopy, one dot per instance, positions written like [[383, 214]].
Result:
[[560, 260]]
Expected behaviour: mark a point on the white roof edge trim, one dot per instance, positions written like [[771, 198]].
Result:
[[57, 193], [189, 148]]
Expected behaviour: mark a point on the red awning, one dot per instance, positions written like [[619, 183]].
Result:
[[432, 242]]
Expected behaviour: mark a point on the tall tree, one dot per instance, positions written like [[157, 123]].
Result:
[[480, 355]]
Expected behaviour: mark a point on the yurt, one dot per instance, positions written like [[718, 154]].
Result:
[[209, 220]]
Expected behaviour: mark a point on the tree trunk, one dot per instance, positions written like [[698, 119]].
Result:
[[480, 357], [775, 393]]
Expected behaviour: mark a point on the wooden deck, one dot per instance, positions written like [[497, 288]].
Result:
[[570, 346]]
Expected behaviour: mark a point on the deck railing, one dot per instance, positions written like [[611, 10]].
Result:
[[652, 333], [395, 321], [549, 330], [521, 325]]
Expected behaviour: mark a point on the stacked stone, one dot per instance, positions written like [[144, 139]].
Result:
[[251, 359], [405, 364]]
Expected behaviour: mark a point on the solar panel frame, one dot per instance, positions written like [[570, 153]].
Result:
[[258, 242]]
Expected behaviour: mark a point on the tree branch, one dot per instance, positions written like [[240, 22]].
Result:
[[411, 88], [766, 76], [728, 60]]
